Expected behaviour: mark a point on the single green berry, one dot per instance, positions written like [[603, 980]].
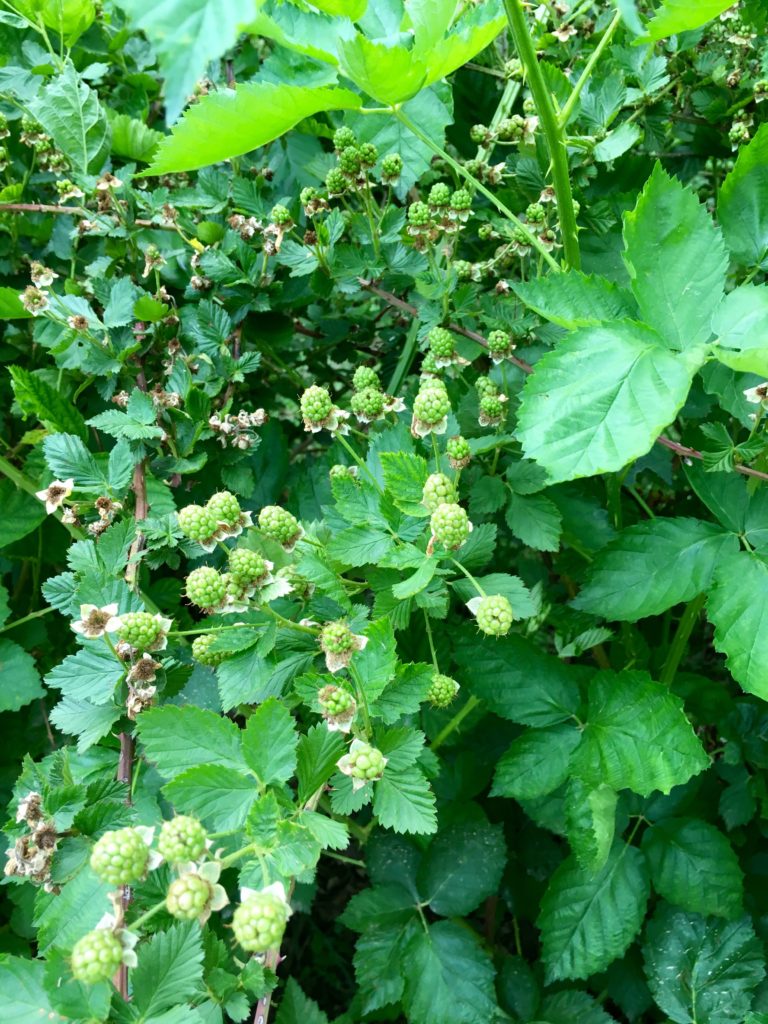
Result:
[[366, 762], [463, 269], [225, 507], [188, 897], [342, 138], [206, 587], [349, 160], [120, 857], [365, 377], [499, 343], [485, 232], [438, 489], [278, 524], [308, 195], [369, 154], [494, 615], [485, 386], [491, 407], [96, 956], [450, 525], [511, 129], [419, 215], [529, 106], [458, 451], [441, 343], [259, 922], [334, 701], [429, 366], [535, 213], [335, 181], [368, 404], [391, 167], [479, 134], [316, 404], [431, 405], [280, 215], [246, 567], [442, 690], [197, 523], [182, 839], [439, 195], [513, 68], [461, 200], [337, 638], [201, 651], [141, 630]]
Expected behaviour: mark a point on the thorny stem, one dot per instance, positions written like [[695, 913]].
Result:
[[553, 133]]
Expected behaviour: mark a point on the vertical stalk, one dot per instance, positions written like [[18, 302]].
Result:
[[680, 639], [554, 133]]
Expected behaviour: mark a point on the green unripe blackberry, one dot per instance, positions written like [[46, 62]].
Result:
[[349, 160], [366, 762], [365, 377], [442, 690], [429, 365], [342, 138], [206, 587], [485, 386], [334, 701], [96, 956], [494, 615], [479, 134], [278, 524], [461, 200], [458, 451], [499, 343], [463, 269], [140, 630], [280, 215], [511, 129], [182, 839], [308, 195], [201, 651], [439, 195], [197, 523], [246, 567], [391, 167], [368, 403], [120, 857], [535, 213], [485, 232], [188, 897], [339, 472], [368, 154], [450, 525], [337, 638], [335, 181], [441, 343], [260, 921], [438, 489], [419, 215], [431, 405], [225, 507], [316, 404], [513, 68], [491, 407]]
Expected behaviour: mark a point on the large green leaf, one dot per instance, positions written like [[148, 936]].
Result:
[[70, 112], [232, 122], [741, 326], [462, 867], [636, 736], [693, 865], [652, 566], [742, 206], [269, 742], [536, 763], [738, 611], [296, 1008], [587, 920], [682, 15], [170, 969], [390, 74], [38, 398], [476, 31], [572, 299], [590, 822], [19, 679], [404, 801], [177, 738], [600, 399], [219, 796], [702, 970], [21, 513], [23, 991], [676, 259]]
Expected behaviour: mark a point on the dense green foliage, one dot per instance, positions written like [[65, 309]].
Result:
[[383, 517]]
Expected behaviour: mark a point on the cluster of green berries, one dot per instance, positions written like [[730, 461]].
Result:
[[450, 525], [278, 524], [491, 402], [201, 651], [220, 516], [182, 839], [197, 523], [494, 615], [442, 690], [259, 922], [354, 159], [441, 344], [141, 630], [316, 405], [96, 957], [458, 451], [188, 896], [246, 568], [500, 344], [207, 587], [281, 216], [337, 638], [341, 472], [444, 210], [438, 490], [366, 762], [431, 405], [365, 377], [120, 857], [334, 701], [368, 404]]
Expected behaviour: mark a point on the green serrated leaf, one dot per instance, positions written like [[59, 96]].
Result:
[[573, 299], [536, 763], [269, 742], [736, 610], [683, 15], [462, 867], [405, 802], [70, 112], [178, 738], [219, 796], [170, 969]]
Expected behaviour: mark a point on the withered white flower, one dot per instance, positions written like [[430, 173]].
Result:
[[95, 622], [757, 394], [55, 493]]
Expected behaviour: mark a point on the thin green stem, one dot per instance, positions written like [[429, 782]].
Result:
[[405, 360], [573, 99], [454, 723], [432, 650], [505, 104], [680, 639], [353, 454], [553, 133], [470, 577], [362, 700], [478, 185], [27, 618]]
